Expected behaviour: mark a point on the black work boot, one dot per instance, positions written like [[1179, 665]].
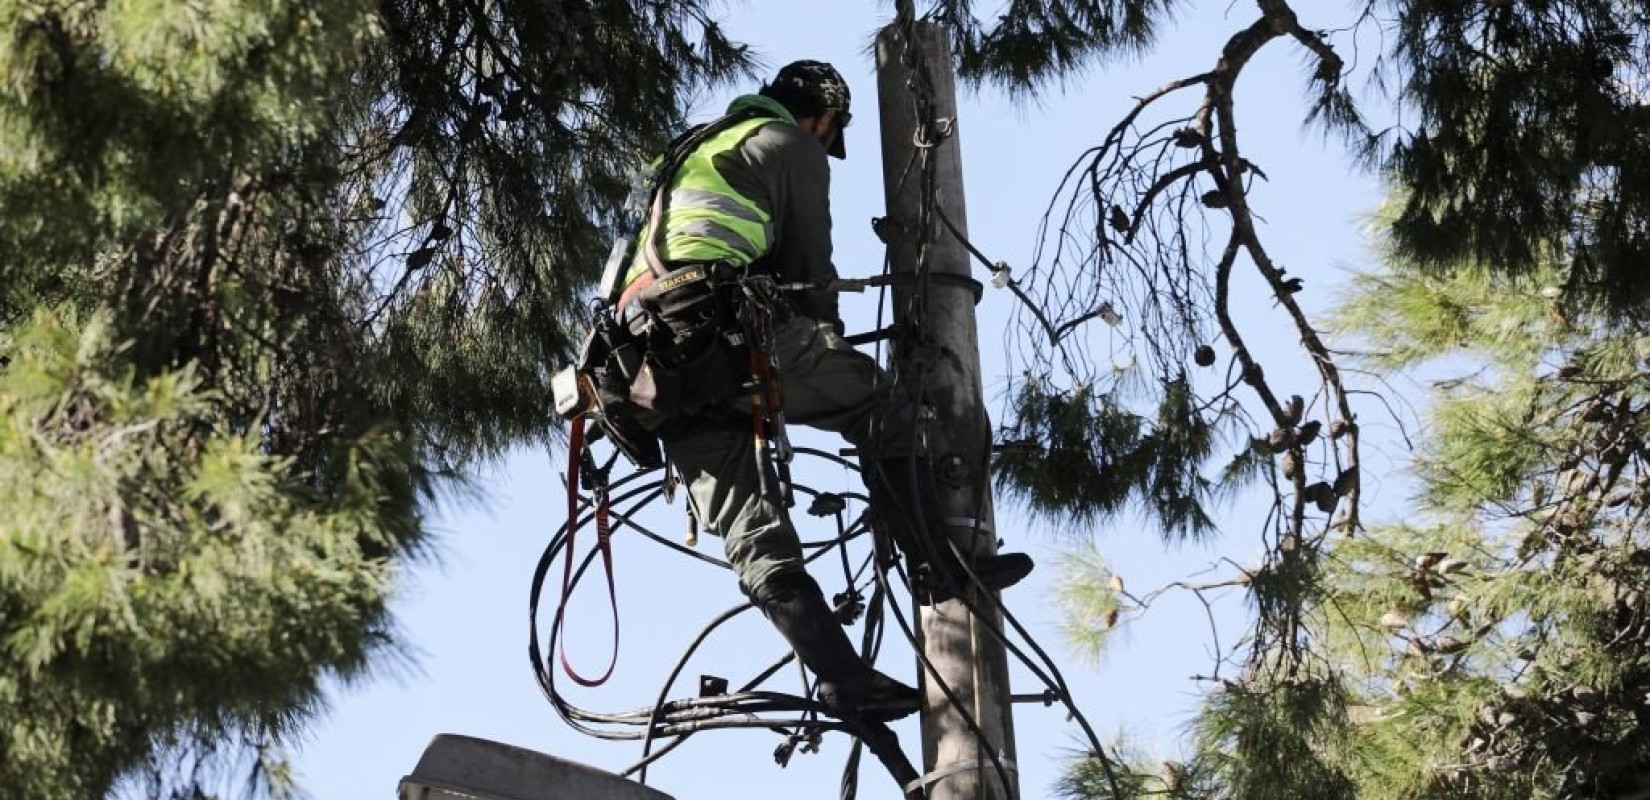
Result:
[[902, 496], [995, 572], [847, 685]]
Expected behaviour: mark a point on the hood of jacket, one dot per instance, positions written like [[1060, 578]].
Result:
[[767, 106]]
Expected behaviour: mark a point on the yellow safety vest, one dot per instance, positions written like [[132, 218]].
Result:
[[705, 219]]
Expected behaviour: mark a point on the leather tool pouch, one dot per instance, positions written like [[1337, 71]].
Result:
[[682, 355], [611, 359], [696, 359]]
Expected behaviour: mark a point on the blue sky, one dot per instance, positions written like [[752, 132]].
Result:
[[465, 613]]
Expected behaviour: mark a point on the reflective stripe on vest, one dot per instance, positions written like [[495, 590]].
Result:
[[705, 218]]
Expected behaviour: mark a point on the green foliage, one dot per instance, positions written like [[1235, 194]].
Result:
[[1085, 778], [166, 578], [108, 108], [326, 255], [1504, 651], [1495, 646], [1274, 742], [1035, 42], [1418, 318], [1530, 140], [1087, 596], [1082, 455]]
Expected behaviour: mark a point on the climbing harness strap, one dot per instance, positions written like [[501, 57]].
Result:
[[654, 229], [576, 465], [758, 313]]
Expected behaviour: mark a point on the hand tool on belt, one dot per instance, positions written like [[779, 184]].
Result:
[[761, 310]]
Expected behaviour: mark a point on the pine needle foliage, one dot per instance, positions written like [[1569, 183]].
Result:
[[1085, 777], [277, 273], [1276, 741], [1089, 599], [1501, 652], [1530, 142], [1524, 120], [166, 578], [1034, 42], [1081, 455], [1495, 646]]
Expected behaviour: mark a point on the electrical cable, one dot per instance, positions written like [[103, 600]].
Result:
[[1042, 667], [922, 87], [661, 719], [681, 719]]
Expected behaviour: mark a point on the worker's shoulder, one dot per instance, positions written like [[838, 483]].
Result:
[[778, 133], [781, 142]]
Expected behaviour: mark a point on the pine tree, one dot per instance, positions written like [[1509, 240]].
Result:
[[1527, 118], [1508, 629], [277, 273], [1496, 644], [1519, 165]]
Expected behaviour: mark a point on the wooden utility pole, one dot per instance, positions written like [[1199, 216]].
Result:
[[966, 657]]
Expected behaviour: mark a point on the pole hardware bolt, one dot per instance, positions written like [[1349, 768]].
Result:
[[1047, 697]]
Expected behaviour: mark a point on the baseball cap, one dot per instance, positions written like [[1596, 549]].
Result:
[[823, 88]]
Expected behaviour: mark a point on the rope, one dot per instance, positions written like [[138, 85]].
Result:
[[577, 457]]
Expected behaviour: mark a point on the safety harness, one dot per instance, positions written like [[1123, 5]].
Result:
[[620, 372]]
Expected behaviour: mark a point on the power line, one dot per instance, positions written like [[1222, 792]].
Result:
[[682, 718]]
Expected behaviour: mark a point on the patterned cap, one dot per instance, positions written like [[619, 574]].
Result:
[[821, 83]]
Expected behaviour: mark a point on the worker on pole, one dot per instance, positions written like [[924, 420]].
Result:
[[731, 330]]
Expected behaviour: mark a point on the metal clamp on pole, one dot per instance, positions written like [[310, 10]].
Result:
[[969, 524], [959, 767], [871, 337]]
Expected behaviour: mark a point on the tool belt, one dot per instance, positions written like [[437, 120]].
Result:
[[667, 345], [673, 347], [696, 356]]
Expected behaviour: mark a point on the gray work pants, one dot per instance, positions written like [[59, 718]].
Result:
[[826, 384]]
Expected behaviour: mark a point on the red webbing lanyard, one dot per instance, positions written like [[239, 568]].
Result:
[[604, 535]]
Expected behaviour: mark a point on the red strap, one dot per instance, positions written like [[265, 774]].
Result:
[[604, 535], [633, 291]]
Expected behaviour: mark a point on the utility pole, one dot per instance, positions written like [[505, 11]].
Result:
[[966, 656]]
